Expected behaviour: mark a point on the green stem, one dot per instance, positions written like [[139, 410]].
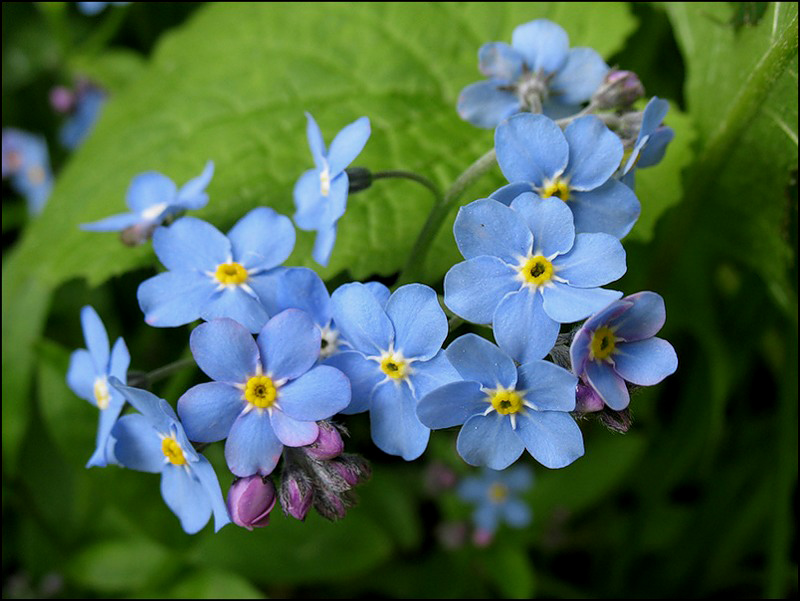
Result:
[[413, 267], [410, 176], [159, 374]]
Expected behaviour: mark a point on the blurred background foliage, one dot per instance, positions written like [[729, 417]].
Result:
[[697, 500]]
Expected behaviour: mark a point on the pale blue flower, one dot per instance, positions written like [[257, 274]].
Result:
[[495, 495], [26, 161], [651, 140]]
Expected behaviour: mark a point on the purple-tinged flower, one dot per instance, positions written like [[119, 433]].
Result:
[[396, 359], [505, 409], [537, 73], [651, 140], [153, 441], [619, 345], [320, 194], [575, 165], [619, 89], [527, 271], [265, 394], [212, 275], [250, 501], [89, 374], [26, 161], [296, 494], [153, 198], [496, 497], [88, 102], [329, 443]]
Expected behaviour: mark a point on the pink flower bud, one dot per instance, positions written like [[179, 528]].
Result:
[[250, 500], [619, 89], [329, 443], [296, 496]]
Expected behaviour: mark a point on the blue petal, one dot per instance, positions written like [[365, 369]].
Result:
[[208, 410], [580, 76], [644, 318], [516, 513], [489, 440], [426, 376], [522, 328], [645, 362], [607, 384], [394, 424], [509, 192], [108, 417], [656, 146], [543, 44], [138, 445], [348, 144], [174, 298], [550, 221], [150, 189], [191, 243], [420, 325], [595, 153], [654, 114], [477, 359], [473, 489], [120, 360], [157, 410], [252, 446], [485, 103], [488, 227], [289, 345], [500, 61], [612, 208], [81, 375], [323, 244], [566, 304], [319, 394], [236, 303], [486, 516], [547, 386], [94, 332], [115, 223], [552, 437], [293, 432], [225, 351], [474, 288], [594, 260], [302, 288], [186, 497], [531, 148], [262, 239], [361, 319], [192, 194], [451, 405], [519, 478], [266, 285], [308, 201], [380, 291], [364, 374], [579, 350], [315, 141], [204, 473]]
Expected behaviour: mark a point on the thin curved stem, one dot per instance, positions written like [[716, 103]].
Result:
[[420, 179], [159, 374]]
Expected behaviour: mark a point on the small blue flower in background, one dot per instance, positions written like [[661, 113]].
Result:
[[396, 359], [266, 393], [618, 344], [320, 195], [496, 497], [537, 73], [88, 377], [651, 141], [26, 161], [527, 271], [575, 165], [153, 198], [505, 409], [212, 275], [87, 103], [153, 441], [95, 8]]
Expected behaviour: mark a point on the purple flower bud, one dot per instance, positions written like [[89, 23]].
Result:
[[619, 89], [329, 442], [482, 538], [250, 500], [587, 400], [351, 468], [439, 478], [296, 494], [62, 99], [332, 505]]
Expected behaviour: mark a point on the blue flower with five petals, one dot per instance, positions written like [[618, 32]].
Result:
[[651, 140], [212, 275], [320, 195], [266, 393], [396, 359], [154, 441], [575, 165], [505, 409], [26, 161], [496, 497], [537, 73], [527, 271], [619, 344], [89, 374]]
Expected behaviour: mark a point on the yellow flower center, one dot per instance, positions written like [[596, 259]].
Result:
[[230, 274], [506, 401], [101, 393], [555, 187], [172, 451], [325, 181], [603, 343], [537, 271], [261, 392], [498, 492], [394, 367]]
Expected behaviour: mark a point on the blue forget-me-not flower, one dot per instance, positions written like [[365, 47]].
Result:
[[575, 165], [90, 370], [320, 195], [537, 73], [212, 275], [619, 344], [266, 393], [651, 140], [396, 359], [527, 271], [152, 198], [87, 103], [26, 161], [495, 495], [154, 441], [505, 409]]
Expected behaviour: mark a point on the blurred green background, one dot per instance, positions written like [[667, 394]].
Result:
[[697, 500]]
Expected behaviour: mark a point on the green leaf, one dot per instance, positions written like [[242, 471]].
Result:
[[113, 69], [213, 584], [511, 571]]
